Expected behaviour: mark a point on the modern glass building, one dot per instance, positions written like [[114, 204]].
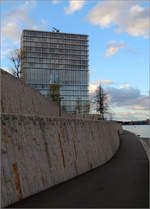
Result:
[[57, 58]]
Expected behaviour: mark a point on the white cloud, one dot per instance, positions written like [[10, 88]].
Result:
[[138, 107], [129, 16], [126, 113], [113, 47], [15, 19], [93, 86], [129, 115], [43, 21], [74, 5], [21, 13], [11, 32], [55, 1], [8, 70], [92, 71], [125, 86]]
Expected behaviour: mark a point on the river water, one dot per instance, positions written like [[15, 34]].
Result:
[[142, 130]]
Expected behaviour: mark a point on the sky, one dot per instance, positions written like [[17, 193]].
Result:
[[118, 44]]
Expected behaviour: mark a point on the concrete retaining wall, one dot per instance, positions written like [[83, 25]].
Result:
[[18, 97], [39, 152]]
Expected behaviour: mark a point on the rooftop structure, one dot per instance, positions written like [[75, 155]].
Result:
[[57, 58]]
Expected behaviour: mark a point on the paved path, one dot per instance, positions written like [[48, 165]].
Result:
[[147, 141], [121, 183], [146, 144]]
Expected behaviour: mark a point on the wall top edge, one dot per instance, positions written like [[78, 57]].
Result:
[[41, 117]]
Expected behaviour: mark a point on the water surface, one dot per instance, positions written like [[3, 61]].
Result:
[[142, 130]]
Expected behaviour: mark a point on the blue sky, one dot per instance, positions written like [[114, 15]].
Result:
[[118, 44]]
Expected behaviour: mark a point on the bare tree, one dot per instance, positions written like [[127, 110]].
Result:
[[15, 58], [101, 101]]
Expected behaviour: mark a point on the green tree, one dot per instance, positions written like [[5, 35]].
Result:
[[101, 101]]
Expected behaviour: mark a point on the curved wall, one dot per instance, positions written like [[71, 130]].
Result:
[[39, 152]]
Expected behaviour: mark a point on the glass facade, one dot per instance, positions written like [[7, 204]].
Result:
[[57, 58]]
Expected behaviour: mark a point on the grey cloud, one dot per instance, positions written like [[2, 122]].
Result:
[[128, 97], [123, 95]]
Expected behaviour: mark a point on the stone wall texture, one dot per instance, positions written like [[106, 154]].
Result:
[[40, 149], [18, 97], [40, 152]]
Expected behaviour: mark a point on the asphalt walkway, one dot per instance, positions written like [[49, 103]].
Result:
[[123, 182]]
